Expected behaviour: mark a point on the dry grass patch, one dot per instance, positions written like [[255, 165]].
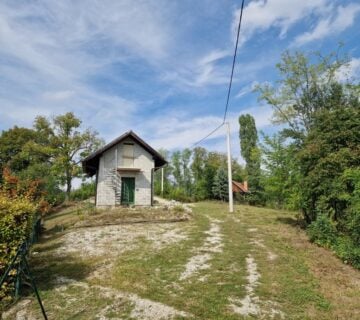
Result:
[[338, 282], [123, 215]]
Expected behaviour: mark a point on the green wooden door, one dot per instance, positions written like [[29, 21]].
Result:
[[127, 191]]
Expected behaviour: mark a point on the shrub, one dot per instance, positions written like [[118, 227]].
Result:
[[179, 195], [16, 221], [348, 251], [322, 231], [85, 191]]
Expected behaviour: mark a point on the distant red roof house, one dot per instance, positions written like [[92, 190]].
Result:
[[239, 187]]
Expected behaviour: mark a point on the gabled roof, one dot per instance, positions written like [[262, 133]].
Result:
[[239, 187], [91, 163]]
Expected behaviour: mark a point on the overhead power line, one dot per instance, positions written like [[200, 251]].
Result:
[[208, 135], [234, 60], [230, 82]]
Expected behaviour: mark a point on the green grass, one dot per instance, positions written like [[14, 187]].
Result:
[[296, 282]]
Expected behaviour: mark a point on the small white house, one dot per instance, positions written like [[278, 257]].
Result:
[[124, 170]]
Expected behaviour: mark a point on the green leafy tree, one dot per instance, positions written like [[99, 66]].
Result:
[[323, 124], [167, 173], [186, 171], [198, 169], [303, 89], [281, 177], [176, 168], [69, 145], [220, 185], [331, 148], [17, 149], [251, 154]]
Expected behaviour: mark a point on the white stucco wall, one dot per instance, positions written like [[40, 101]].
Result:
[[109, 180]]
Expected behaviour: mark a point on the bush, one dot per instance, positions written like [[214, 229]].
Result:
[[179, 194], [85, 191], [348, 251], [322, 231], [16, 221]]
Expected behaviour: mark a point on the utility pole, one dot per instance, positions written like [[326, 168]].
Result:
[[231, 203], [162, 182]]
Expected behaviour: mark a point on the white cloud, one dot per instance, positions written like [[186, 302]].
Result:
[[333, 24], [351, 71], [247, 89], [58, 95], [206, 70], [180, 130], [260, 15], [51, 50]]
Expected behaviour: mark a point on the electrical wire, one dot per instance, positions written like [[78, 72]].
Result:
[[208, 135], [230, 82], [234, 60]]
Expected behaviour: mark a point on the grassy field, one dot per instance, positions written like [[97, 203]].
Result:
[[253, 264]]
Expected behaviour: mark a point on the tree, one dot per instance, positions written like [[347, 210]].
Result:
[[303, 89], [281, 175], [69, 145], [330, 149], [167, 172], [220, 185], [176, 168], [198, 169], [16, 149], [198, 163], [251, 153], [186, 171]]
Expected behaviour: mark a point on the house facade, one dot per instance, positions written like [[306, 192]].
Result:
[[124, 171]]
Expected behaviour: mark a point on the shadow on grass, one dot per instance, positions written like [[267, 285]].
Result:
[[46, 270], [59, 214], [293, 222], [46, 247]]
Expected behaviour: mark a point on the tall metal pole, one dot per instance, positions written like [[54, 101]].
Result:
[[162, 182], [231, 202]]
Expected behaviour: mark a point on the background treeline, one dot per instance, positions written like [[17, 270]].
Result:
[[196, 174]]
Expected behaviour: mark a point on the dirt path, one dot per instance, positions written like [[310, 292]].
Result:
[[201, 260]]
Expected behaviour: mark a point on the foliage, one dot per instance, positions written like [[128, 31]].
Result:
[[179, 194], [190, 174], [318, 166], [220, 187], [248, 136], [69, 145], [331, 147], [252, 155], [49, 185], [18, 149], [281, 174], [19, 203], [322, 231], [16, 220], [302, 90], [166, 171], [50, 153], [86, 190]]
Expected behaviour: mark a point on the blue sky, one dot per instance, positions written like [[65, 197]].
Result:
[[158, 67]]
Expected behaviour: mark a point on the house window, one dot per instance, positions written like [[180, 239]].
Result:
[[128, 155]]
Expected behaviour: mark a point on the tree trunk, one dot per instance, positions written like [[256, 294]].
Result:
[[68, 188]]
